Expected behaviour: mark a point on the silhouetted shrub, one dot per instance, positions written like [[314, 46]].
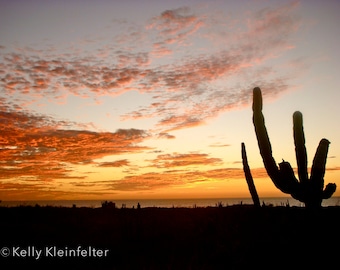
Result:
[[108, 205]]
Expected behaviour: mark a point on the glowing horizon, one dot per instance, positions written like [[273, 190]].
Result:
[[141, 100]]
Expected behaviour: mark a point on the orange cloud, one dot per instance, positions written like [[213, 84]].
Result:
[[166, 135], [219, 145], [149, 181], [117, 163], [179, 121], [141, 182], [41, 191], [31, 147], [232, 173], [178, 160]]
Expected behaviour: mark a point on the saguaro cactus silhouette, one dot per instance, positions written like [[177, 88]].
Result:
[[309, 190], [249, 177]]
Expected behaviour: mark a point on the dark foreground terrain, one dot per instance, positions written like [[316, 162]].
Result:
[[234, 237]]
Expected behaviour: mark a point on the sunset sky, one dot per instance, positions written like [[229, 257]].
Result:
[[152, 99]]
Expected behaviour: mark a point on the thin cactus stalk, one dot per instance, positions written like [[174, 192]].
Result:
[[249, 177], [309, 190]]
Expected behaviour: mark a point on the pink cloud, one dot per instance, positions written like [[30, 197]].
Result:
[[176, 24], [186, 91], [189, 97]]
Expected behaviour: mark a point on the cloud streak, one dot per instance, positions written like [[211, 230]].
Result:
[[180, 160], [117, 163], [151, 181]]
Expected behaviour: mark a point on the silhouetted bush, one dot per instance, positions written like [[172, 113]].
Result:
[[108, 205]]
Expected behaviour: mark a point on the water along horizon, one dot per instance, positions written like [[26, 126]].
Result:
[[167, 203]]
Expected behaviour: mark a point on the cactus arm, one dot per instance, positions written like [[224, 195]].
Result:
[[300, 149], [329, 190], [262, 137], [249, 178], [283, 180], [291, 184], [319, 165]]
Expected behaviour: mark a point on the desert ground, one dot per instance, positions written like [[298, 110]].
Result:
[[233, 237]]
